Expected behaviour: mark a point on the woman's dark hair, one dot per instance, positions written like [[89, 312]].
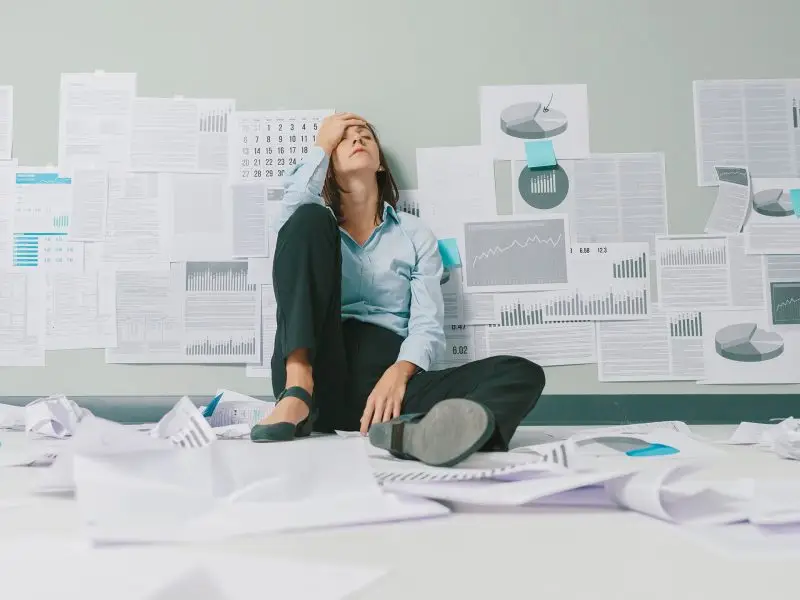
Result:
[[387, 188]]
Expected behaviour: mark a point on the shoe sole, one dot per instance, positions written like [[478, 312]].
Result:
[[450, 432]]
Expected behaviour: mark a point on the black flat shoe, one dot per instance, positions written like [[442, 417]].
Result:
[[447, 434], [285, 431]]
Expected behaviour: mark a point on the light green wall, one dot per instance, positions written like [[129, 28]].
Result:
[[413, 67]]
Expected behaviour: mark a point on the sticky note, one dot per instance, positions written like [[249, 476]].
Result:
[[653, 450], [795, 196], [449, 250], [540, 154]]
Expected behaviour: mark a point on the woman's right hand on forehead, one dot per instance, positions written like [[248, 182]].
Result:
[[332, 130]]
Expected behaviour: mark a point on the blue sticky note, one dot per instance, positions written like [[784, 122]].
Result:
[[795, 196], [653, 450], [449, 250], [540, 154]]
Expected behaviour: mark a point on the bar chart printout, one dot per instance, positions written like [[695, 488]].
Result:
[[686, 325], [569, 305], [223, 315], [630, 268], [695, 272]]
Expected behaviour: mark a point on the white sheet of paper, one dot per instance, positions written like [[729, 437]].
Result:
[[610, 282], [89, 205], [184, 426], [75, 569], [81, 310], [516, 255], [94, 124], [772, 226], [8, 195], [22, 313], [666, 347], [53, 416], [781, 276], [200, 216], [711, 271], [454, 184], [6, 122], [137, 223], [259, 271], [181, 135], [459, 347], [740, 346], [638, 428], [269, 328], [609, 198], [648, 492], [42, 212], [547, 344], [750, 122], [514, 114], [12, 417], [747, 433], [250, 221], [234, 408], [734, 197]]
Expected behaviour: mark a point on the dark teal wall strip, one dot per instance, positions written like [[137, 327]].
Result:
[[583, 409]]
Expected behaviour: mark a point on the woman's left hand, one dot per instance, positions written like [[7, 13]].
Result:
[[386, 399]]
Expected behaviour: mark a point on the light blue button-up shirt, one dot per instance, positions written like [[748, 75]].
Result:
[[393, 280]]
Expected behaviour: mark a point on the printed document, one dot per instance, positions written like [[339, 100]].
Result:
[[734, 196], [22, 313]]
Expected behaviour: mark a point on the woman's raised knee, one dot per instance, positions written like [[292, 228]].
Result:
[[522, 368], [310, 219]]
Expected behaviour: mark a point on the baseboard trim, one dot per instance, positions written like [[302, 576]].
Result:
[[552, 409]]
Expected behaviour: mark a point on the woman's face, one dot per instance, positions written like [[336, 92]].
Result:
[[358, 151]]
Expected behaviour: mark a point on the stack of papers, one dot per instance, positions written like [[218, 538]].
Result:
[[54, 416]]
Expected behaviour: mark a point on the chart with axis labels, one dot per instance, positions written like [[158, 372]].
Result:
[[518, 255], [614, 284], [271, 143]]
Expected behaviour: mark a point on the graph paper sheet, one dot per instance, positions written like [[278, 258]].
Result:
[[668, 346], [197, 312], [181, 135], [612, 284], [711, 271]]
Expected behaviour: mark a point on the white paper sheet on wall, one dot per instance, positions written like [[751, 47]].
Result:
[[514, 114], [772, 226], [137, 223], [734, 197], [200, 216], [711, 271], [250, 220], [740, 346], [749, 122], [455, 184], [87, 222], [547, 344], [42, 213], [181, 135], [610, 282], [197, 312], [6, 122], [782, 285], [269, 327], [22, 311], [94, 125], [666, 347], [608, 198]]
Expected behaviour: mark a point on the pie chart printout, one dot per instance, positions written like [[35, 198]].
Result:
[[532, 121], [745, 342], [773, 203]]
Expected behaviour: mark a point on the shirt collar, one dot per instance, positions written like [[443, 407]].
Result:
[[389, 211]]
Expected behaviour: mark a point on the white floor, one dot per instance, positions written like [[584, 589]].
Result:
[[530, 553]]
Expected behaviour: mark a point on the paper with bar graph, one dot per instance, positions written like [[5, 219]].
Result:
[[607, 197], [772, 226], [512, 255], [523, 331], [181, 135], [708, 271], [197, 312], [612, 283], [666, 347], [269, 327], [42, 213], [741, 346], [184, 426]]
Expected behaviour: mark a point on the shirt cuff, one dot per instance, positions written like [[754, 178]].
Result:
[[416, 351], [318, 160]]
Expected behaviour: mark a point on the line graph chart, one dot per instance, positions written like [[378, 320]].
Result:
[[517, 255], [785, 302]]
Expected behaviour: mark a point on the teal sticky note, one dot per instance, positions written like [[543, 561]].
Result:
[[449, 250], [795, 196], [653, 450], [540, 154]]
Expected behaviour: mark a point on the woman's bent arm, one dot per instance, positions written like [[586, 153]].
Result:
[[303, 184]]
